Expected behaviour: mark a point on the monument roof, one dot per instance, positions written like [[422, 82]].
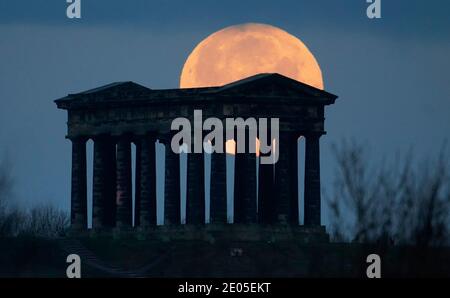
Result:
[[264, 85]]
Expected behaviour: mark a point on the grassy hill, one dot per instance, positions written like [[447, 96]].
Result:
[[108, 257]]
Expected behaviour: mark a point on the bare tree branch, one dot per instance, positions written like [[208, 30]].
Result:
[[395, 203]]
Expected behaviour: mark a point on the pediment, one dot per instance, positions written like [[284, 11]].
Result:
[[272, 85]]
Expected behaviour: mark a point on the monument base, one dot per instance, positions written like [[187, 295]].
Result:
[[222, 232]]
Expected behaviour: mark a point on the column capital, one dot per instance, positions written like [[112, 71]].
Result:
[[128, 136], [313, 134], [101, 137], [290, 134], [79, 139], [150, 133], [136, 138], [165, 138]]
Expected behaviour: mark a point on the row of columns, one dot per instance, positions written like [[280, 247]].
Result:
[[112, 184]]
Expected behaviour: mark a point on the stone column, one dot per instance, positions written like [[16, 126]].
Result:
[[110, 178], [294, 216], [312, 180], [195, 195], [148, 181], [218, 190], [103, 186], [245, 185], [99, 183], [172, 199], [266, 185], [286, 179], [124, 191], [78, 208], [266, 194], [137, 184]]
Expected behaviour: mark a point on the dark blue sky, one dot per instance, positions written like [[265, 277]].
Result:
[[391, 75]]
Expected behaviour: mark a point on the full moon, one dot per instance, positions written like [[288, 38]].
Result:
[[241, 51]]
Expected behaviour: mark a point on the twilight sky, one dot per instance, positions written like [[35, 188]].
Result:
[[391, 75]]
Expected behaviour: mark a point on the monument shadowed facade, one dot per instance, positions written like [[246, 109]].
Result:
[[119, 114]]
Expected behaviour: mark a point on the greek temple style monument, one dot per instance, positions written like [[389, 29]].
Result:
[[119, 114]]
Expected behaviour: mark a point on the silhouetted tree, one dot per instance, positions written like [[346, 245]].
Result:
[[7, 221], [5, 183], [40, 221], [45, 221], [402, 202]]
